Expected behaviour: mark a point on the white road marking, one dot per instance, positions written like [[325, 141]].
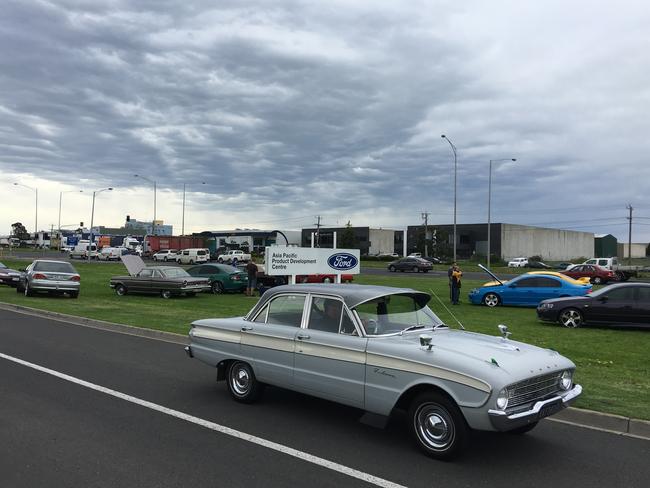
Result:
[[303, 456]]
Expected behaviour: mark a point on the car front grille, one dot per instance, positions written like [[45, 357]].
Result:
[[533, 389]]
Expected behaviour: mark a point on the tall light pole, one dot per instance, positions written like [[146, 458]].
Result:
[[453, 148], [60, 200], [490, 202], [92, 218], [153, 223], [183, 224], [36, 208]]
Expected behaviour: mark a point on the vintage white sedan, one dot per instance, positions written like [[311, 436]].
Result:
[[382, 349]]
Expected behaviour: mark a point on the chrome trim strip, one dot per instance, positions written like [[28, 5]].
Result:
[[285, 344], [215, 334], [417, 367], [336, 353]]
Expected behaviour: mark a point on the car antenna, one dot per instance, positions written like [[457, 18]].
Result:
[[441, 303]]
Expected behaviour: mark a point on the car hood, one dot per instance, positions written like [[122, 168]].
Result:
[[494, 283], [134, 264], [485, 358]]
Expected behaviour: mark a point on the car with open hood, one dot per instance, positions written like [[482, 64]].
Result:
[[166, 281], [526, 290], [381, 349]]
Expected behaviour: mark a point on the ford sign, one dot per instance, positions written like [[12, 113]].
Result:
[[342, 261]]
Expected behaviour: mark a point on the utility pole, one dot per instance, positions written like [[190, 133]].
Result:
[[318, 231], [425, 217], [629, 236]]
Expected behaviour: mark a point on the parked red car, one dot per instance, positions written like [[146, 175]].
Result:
[[323, 278], [595, 273]]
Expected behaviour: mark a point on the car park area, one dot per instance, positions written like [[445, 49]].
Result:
[[599, 369]]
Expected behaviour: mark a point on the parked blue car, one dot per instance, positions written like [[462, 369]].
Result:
[[527, 290]]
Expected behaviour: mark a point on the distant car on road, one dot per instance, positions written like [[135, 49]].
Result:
[[54, 277], [9, 276], [413, 264], [538, 265], [526, 290], [563, 265], [518, 263], [165, 255], [620, 304], [595, 273]]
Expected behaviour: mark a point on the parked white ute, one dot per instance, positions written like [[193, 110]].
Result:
[[518, 263]]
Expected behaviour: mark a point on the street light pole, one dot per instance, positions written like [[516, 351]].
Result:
[[490, 202], [36, 207], [60, 200], [453, 148], [183, 222], [153, 223], [92, 219]]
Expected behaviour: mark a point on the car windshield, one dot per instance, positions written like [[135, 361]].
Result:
[[55, 267], [174, 272], [2, 265], [393, 314]]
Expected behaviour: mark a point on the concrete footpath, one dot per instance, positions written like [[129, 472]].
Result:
[[590, 419]]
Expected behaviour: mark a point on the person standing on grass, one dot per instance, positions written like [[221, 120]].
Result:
[[251, 269], [456, 275], [449, 273]]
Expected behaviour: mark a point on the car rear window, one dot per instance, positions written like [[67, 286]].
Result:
[[174, 272], [54, 267], [200, 253]]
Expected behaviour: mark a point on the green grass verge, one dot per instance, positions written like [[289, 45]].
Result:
[[613, 365]]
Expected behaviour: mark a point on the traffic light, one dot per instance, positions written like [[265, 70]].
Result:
[[81, 224], [128, 218]]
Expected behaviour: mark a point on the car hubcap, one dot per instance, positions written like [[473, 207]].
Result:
[[240, 381], [491, 301], [434, 426], [571, 319]]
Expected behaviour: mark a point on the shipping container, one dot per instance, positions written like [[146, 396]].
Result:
[[153, 244]]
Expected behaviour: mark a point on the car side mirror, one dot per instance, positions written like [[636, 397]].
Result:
[[425, 341], [513, 285], [603, 299]]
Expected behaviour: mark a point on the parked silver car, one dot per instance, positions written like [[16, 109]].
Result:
[[382, 349], [50, 276]]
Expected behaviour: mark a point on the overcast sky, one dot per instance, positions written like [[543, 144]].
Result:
[[292, 109]]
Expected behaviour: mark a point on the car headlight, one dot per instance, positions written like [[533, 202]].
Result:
[[546, 306], [502, 399], [473, 291], [566, 380]]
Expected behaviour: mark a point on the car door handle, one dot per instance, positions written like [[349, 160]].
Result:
[[302, 336], [246, 328]]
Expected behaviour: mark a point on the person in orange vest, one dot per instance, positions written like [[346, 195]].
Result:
[[456, 275]]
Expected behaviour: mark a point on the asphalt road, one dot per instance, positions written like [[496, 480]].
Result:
[[58, 433]]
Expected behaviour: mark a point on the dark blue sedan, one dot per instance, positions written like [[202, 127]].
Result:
[[527, 290]]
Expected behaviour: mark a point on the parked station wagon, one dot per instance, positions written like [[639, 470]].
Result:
[[382, 349]]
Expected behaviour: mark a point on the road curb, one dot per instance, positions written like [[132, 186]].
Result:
[[575, 416]]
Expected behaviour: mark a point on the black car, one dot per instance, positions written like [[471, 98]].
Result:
[[538, 265], [411, 264], [622, 304], [9, 276]]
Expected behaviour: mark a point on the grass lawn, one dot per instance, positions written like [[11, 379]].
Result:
[[613, 365]]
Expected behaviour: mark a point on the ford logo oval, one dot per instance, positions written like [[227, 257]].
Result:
[[342, 261]]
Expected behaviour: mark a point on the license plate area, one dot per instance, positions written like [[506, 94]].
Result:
[[548, 410]]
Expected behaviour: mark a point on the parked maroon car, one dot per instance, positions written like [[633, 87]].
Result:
[[595, 273], [323, 278]]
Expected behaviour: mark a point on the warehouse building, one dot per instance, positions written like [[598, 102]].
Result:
[[368, 240], [508, 241], [605, 246]]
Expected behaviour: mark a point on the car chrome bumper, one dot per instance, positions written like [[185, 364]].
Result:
[[504, 422], [51, 285]]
